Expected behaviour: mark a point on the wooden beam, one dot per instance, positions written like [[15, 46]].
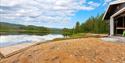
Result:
[[122, 28], [119, 12], [120, 15], [111, 26]]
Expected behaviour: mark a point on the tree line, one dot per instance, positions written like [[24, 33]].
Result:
[[92, 25]]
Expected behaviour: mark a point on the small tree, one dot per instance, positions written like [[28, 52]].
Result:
[[67, 32], [77, 27]]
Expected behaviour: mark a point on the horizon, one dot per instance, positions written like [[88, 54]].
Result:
[[51, 14]]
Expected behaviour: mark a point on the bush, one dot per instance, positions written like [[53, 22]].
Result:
[[124, 33]]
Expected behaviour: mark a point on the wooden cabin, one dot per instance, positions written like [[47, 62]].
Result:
[[115, 16]]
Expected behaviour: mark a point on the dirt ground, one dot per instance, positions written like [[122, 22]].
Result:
[[83, 50]]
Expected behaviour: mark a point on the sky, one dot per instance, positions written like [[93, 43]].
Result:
[[50, 13]]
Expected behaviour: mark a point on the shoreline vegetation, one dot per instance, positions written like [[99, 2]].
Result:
[[81, 35], [7, 28]]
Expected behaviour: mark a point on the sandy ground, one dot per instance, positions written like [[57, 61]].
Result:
[[84, 50]]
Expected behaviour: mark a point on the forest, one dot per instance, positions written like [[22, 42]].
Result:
[[92, 25]]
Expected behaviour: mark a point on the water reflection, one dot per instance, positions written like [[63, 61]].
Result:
[[7, 40]]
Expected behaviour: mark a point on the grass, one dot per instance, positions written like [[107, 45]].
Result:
[[79, 35], [74, 36]]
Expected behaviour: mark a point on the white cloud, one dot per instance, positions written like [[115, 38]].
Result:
[[107, 2], [11, 3], [93, 3], [43, 10]]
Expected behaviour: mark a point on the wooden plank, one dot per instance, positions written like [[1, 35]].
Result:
[[11, 50]]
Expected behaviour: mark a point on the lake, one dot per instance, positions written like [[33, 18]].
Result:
[[9, 40]]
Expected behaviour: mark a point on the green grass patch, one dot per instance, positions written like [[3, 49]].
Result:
[[79, 35], [74, 36]]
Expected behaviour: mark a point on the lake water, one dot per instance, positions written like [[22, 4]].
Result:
[[8, 40]]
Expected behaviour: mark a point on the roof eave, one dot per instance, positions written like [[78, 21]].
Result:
[[105, 13], [111, 4]]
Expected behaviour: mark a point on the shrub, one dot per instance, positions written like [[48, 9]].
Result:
[[124, 33]]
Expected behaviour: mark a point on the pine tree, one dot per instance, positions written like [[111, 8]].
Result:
[[77, 27]]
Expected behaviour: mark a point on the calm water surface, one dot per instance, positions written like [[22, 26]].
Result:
[[8, 40]]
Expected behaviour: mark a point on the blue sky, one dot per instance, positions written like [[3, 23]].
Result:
[[50, 13]]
